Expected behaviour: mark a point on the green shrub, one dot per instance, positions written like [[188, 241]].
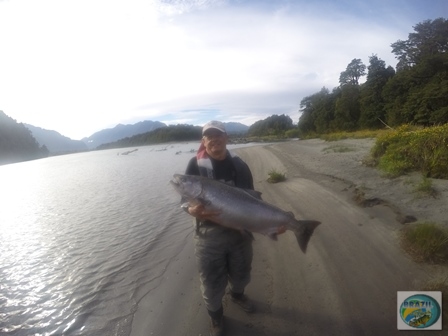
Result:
[[293, 133], [407, 149], [363, 134], [338, 149], [426, 242], [425, 187], [275, 177]]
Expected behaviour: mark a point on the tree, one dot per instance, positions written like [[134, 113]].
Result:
[[395, 94], [306, 119], [318, 111], [418, 93], [372, 105], [429, 102], [347, 110], [354, 71], [273, 125], [429, 39]]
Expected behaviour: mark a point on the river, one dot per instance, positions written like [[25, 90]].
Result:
[[83, 237]]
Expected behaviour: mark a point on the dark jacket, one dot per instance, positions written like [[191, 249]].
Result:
[[242, 176]]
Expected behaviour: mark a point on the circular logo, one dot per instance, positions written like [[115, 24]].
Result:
[[420, 311]]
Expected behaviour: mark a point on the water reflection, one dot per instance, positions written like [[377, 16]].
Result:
[[81, 236]]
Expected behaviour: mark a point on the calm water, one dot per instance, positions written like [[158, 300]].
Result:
[[80, 235], [83, 236]]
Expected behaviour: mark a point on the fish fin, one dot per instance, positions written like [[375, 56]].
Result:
[[273, 236], [303, 231], [253, 193]]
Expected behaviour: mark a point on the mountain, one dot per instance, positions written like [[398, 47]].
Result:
[[16, 142], [121, 131], [55, 142], [235, 128], [172, 133]]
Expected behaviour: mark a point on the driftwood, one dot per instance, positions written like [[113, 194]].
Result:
[[385, 124]]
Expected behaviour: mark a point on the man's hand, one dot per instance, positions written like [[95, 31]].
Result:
[[200, 213]]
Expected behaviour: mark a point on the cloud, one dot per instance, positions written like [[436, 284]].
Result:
[[81, 66]]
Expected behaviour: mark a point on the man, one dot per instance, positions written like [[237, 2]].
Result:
[[223, 255]]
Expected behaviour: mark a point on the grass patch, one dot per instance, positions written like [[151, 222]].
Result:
[[405, 149], [408, 149], [275, 176], [369, 161], [363, 134], [425, 187], [426, 242], [338, 149], [399, 151]]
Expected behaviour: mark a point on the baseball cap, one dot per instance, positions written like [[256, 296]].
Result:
[[214, 124]]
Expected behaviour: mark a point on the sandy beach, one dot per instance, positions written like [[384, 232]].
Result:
[[346, 283]]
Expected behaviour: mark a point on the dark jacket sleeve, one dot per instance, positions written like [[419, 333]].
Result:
[[192, 167], [244, 177]]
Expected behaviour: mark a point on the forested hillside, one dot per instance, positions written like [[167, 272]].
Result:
[[16, 142], [415, 93], [160, 135], [172, 133], [275, 125], [121, 131], [55, 142]]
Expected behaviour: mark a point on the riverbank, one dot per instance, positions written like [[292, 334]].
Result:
[[347, 282], [343, 160]]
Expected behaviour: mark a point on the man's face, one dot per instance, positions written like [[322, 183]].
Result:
[[215, 143]]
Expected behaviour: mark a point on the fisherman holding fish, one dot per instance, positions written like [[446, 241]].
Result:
[[218, 187], [223, 255]]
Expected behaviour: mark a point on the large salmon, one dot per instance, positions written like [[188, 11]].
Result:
[[240, 209]]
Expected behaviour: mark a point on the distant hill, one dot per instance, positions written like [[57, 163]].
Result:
[[16, 142], [172, 133], [236, 128], [180, 132], [120, 132], [55, 142]]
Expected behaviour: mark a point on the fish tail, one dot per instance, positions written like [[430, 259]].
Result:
[[303, 230]]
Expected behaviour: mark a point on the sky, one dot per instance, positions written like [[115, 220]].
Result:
[[80, 66]]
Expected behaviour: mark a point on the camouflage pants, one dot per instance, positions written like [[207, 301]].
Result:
[[223, 256]]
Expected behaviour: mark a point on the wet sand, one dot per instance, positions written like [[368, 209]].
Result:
[[346, 283]]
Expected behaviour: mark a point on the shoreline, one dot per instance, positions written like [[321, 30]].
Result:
[[322, 158]]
